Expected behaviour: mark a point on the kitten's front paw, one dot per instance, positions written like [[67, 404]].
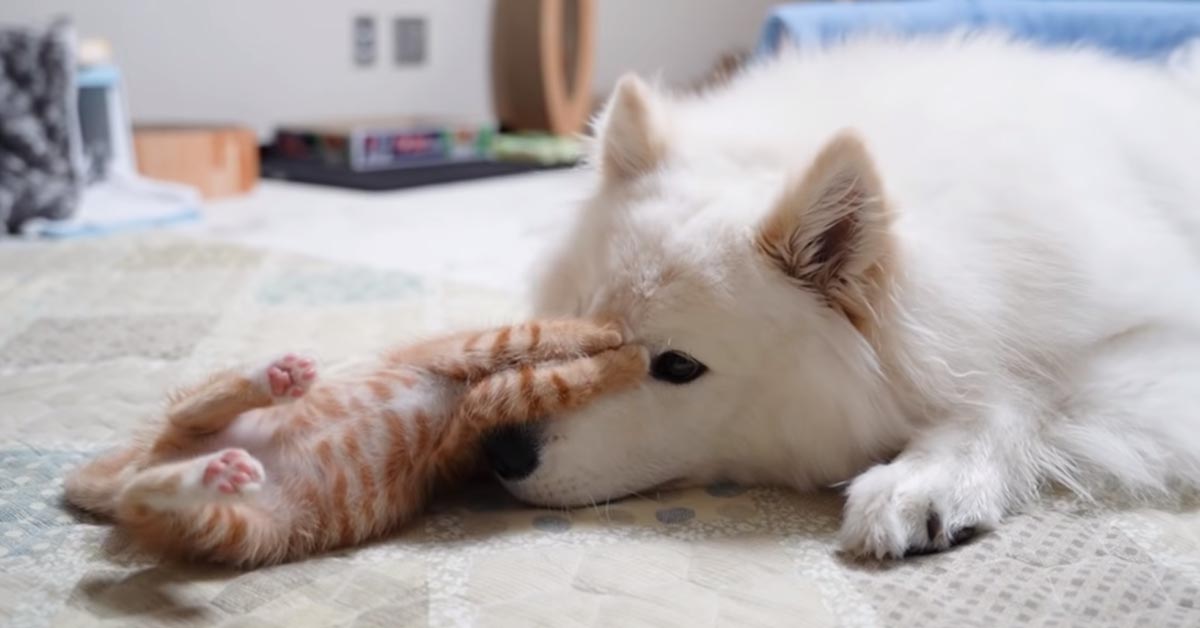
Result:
[[623, 367], [901, 509], [291, 376], [600, 336]]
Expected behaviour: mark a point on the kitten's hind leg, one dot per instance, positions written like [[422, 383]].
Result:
[[209, 508], [222, 476], [212, 405]]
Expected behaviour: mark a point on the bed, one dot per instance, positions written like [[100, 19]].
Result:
[[93, 331]]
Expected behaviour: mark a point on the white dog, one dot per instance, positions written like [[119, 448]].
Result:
[[948, 271]]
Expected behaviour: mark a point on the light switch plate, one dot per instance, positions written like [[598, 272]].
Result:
[[362, 40], [409, 35]]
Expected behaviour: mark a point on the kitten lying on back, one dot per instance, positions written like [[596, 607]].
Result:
[[269, 465]]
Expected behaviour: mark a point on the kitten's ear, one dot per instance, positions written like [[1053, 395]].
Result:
[[829, 229], [630, 131]]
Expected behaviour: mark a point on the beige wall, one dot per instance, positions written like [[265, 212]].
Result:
[[261, 62], [677, 39]]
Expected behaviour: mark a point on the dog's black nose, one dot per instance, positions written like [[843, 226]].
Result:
[[512, 451]]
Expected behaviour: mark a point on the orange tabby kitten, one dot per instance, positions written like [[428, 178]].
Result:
[[270, 465]]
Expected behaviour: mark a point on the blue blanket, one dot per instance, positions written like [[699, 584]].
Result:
[[1140, 29]]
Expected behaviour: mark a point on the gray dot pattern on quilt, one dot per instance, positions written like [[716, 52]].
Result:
[[33, 519], [724, 489], [551, 523], [675, 515]]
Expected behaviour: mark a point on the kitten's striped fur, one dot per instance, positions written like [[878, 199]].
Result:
[[258, 467]]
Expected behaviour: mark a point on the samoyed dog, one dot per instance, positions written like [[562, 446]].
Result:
[[947, 272]]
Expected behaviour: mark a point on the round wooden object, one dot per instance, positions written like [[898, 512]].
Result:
[[542, 53]]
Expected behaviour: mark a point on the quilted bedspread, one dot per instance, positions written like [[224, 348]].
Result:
[[91, 333]]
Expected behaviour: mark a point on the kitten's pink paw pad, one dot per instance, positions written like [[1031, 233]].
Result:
[[233, 471], [291, 375]]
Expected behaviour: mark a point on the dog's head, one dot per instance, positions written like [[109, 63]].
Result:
[[760, 294]]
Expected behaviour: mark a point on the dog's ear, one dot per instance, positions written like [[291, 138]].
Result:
[[630, 131], [829, 229]]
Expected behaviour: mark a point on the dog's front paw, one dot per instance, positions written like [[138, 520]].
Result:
[[900, 509]]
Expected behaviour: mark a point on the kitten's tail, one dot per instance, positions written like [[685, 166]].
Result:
[[94, 486], [235, 533]]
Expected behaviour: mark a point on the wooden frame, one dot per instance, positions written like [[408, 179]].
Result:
[[542, 59]]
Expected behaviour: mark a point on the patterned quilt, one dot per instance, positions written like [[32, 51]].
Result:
[[91, 333]]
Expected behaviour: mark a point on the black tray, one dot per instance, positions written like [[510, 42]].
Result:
[[392, 179]]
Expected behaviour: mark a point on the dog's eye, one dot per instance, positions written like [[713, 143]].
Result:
[[676, 367]]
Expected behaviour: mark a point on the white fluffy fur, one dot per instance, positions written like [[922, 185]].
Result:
[[1040, 321]]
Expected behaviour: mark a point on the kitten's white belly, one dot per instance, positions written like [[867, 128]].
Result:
[[255, 430], [252, 430]]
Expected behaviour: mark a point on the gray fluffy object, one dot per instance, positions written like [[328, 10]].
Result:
[[41, 173]]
